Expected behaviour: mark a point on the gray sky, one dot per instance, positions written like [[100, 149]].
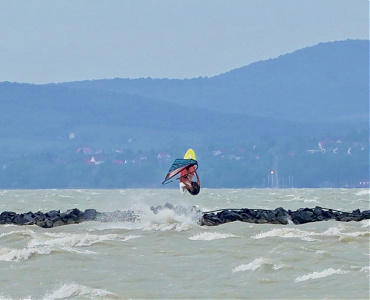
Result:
[[44, 41]]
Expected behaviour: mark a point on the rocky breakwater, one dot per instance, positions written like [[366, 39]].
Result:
[[281, 216], [49, 219], [55, 218]]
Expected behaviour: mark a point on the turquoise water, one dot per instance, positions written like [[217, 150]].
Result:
[[171, 256]]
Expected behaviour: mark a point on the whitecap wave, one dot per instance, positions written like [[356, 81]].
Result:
[[365, 269], [309, 236], [363, 192], [337, 231], [287, 233], [310, 201], [210, 236], [7, 254], [365, 223], [74, 290], [49, 242], [322, 274], [257, 264], [72, 240], [26, 232]]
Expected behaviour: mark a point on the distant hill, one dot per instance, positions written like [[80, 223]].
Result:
[[326, 82], [316, 90], [42, 116], [304, 115]]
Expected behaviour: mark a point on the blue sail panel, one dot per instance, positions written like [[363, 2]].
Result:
[[178, 165]]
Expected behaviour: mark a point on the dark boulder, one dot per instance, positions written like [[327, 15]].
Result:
[[7, 217], [229, 216], [281, 215], [89, 214]]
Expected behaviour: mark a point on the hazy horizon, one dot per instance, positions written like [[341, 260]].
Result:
[[56, 41]]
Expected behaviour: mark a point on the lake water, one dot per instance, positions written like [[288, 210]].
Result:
[[167, 256]]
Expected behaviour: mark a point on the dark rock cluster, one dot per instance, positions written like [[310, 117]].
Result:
[[281, 216], [50, 219]]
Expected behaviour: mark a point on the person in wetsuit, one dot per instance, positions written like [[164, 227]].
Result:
[[191, 186]]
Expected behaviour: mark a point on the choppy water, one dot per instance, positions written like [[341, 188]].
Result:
[[169, 256]]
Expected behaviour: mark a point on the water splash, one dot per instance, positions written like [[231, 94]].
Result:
[[74, 290]]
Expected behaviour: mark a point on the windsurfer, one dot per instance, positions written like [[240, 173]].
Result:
[[191, 186]]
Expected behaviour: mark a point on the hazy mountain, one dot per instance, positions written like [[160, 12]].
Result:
[[305, 113], [326, 82], [324, 88], [34, 116]]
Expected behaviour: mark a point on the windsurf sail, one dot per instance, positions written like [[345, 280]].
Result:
[[178, 165]]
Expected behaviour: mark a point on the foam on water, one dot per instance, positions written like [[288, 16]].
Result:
[[167, 219], [363, 192], [257, 264], [7, 254], [318, 275], [49, 242], [26, 232], [210, 236], [74, 290], [287, 233], [335, 231], [365, 223], [145, 219], [68, 240], [310, 201]]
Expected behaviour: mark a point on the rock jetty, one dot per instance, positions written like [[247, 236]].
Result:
[[281, 216], [55, 218]]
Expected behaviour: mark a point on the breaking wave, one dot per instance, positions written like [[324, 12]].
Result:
[[74, 290], [210, 236], [363, 192], [336, 231], [287, 233], [317, 275], [46, 243], [257, 264]]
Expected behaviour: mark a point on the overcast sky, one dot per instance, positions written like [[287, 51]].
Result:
[[44, 41]]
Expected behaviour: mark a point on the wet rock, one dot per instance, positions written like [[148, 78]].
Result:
[[7, 217], [317, 211], [356, 215], [57, 221], [47, 223], [52, 213], [30, 218], [19, 220], [210, 220], [89, 214], [55, 218], [229, 216], [281, 215]]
